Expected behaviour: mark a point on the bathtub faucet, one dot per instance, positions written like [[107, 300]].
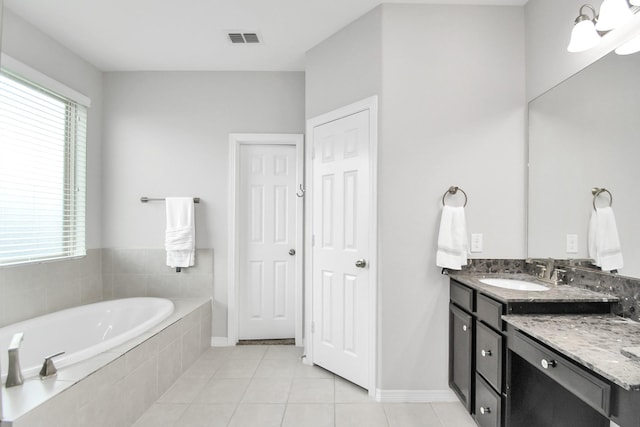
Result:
[[14, 374], [48, 368]]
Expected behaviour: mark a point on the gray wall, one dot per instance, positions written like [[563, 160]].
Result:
[[346, 67], [35, 289], [451, 86], [166, 134]]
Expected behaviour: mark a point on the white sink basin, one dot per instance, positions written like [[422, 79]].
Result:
[[515, 284]]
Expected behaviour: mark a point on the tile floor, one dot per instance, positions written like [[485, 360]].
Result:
[[260, 386]]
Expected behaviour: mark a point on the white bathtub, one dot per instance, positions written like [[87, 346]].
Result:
[[81, 332]]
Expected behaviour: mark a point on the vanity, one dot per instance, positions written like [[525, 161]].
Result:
[[542, 358]]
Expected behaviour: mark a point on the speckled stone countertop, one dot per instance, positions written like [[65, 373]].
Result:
[[556, 293], [606, 344]]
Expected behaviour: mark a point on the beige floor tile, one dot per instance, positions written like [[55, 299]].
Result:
[[223, 390], [184, 390], [311, 371], [217, 353], [360, 414], [309, 415], [249, 351], [207, 415], [237, 368], [411, 415], [267, 390], [276, 368], [204, 368], [453, 415], [347, 392], [257, 415], [288, 352], [161, 415], [312, 390]]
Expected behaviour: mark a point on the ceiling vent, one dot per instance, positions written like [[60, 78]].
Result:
[[244, 38]]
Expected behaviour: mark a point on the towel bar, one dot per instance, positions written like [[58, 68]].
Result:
[[157, 199], [454, 190], [598, 191]]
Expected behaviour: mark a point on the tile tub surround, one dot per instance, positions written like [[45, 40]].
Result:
[[117, 386], [144, 273], [31, 290], [595, 341]]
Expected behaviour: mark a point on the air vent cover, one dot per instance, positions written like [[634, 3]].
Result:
[[244, 38]]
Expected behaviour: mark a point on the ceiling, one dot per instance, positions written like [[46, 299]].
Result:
[[133, 35]]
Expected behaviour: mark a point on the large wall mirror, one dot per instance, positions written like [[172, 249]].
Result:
[[585, 133]]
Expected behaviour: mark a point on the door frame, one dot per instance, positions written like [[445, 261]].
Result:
[[236, 140], [370, 104]]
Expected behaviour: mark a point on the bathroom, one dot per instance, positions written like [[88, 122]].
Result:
[[453, 85]]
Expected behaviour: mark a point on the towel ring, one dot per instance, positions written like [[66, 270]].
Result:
[[454, 190], [598, 191]]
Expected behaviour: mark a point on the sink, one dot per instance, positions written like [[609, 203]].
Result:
[[515, 284]]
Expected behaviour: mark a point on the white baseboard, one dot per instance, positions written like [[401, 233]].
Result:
[[219, 342], [415, 396]]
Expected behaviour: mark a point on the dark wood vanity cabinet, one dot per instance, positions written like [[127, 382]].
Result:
[[476, 356]]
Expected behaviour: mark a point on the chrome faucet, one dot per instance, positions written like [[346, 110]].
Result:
[[14, 373]]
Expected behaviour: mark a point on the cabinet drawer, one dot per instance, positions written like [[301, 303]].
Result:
[[489, 355], [490, 311], [488, 405], [462, 296], [583, 384]]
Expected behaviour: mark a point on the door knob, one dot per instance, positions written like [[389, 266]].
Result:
[[361, 263], [292, 252]]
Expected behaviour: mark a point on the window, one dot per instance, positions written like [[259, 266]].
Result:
[[42, 172]]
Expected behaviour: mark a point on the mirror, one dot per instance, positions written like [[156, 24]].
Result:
[[585, 133]]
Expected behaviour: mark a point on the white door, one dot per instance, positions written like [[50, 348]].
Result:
[[341, 247], [267, 234]]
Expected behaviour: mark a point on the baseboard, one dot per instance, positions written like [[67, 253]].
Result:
[[219, 342], [415, 396]]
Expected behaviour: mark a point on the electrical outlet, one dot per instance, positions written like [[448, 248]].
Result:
[[572, 243], [476, 242]]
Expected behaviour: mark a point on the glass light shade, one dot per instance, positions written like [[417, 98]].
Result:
[[635, 2], [583, 36], [613, 14], [632, 46]]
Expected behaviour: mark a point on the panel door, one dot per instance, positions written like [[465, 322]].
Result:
[[341, 226], [267, 232]]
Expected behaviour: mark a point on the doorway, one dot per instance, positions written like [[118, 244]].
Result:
[[265, 237]]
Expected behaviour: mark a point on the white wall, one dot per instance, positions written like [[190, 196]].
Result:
[[166, 134], [451, 86], [30, 46], [453, 114], [548, 29], [346, 67]]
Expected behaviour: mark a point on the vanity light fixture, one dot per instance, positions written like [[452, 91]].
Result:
[[613, 14], [584, 35], [589, 26]]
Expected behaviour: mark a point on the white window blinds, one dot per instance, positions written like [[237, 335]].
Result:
[[42, 173]]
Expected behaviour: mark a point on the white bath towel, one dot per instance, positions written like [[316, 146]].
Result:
[[180, 233], [453, 243], [604, 241]]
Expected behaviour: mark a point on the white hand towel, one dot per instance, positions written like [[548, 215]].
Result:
[[180, 233], [592, 246], [607, 240], [453, 244]]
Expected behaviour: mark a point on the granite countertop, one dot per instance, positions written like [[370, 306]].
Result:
[[556, 293], [606, 344]]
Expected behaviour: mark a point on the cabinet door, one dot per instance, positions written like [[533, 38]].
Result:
[[460, 354]]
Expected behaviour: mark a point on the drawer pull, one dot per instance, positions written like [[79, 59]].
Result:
[[464, 328], [485, 353], [484, 410], [546, 364]]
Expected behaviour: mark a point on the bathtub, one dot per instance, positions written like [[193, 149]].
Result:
[[81, 332]]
